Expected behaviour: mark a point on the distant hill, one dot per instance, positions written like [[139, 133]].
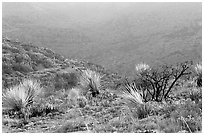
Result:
[[115, 35], [20, 60]]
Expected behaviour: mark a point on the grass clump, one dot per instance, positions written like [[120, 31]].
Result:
[[131, 95], [132, 99]]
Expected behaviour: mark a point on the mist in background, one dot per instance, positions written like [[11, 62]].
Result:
[[115, 35]]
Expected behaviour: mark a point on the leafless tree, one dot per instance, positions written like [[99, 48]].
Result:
[[157, 83]]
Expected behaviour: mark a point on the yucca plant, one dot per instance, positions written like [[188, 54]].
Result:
[[142, 67], [21, 97], [198, 69], [91, 80], [131, 97]]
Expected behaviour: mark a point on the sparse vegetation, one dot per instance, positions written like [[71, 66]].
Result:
[[157, 83], [183, 115], [21, 68], [65, 80], [80, 97]]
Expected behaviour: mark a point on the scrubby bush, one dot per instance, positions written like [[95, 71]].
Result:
[[157, 83], [142, 111], [72, 126], [26, 47], [75, 95], [65, 80], [193, 93], [182, 115], [12, 49], [20, 98], [46, 62], [196, 94], [169, 125], [39, 58], [6, 69], [79, 101], [21, 68], [49, 105], [42, 109]]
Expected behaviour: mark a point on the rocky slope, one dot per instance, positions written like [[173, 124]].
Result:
[[55, 73], [104, 113], [21, 60]]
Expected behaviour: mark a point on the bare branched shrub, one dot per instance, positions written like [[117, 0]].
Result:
[[157, 83]]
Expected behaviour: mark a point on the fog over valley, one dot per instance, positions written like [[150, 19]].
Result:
[[114, 35]]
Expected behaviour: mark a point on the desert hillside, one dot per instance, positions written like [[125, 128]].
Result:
[[20, 60], [40, 95], [101, 68]]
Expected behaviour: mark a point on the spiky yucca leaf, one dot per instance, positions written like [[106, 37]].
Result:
[[198, 69], [131, 95], [90, 80], [142, 67], [21, 96]]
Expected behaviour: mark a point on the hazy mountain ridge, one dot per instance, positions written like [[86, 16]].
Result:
[[117, 36], [20, 60]]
